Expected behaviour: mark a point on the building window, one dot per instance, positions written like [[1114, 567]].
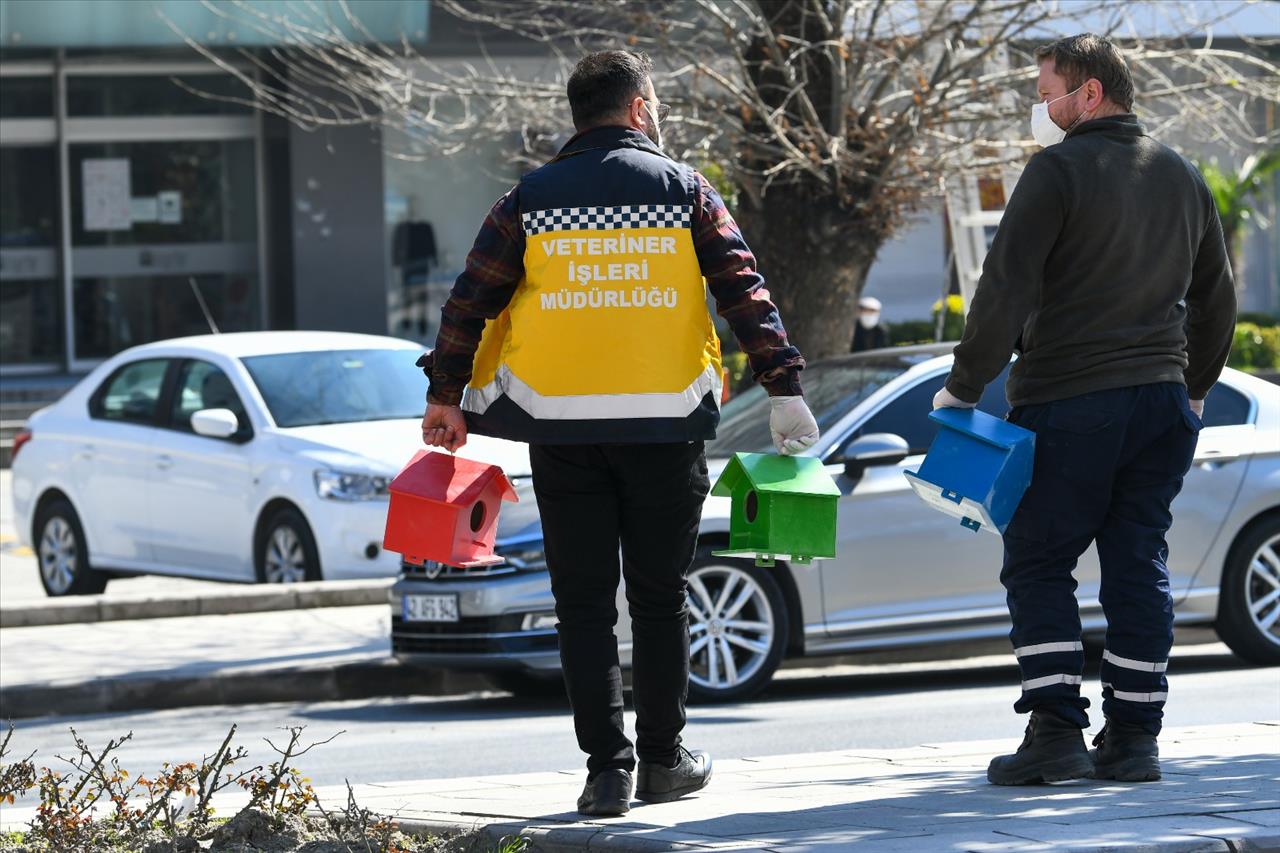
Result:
[[30, 290], [26, 97], [113, 313], [149, 219], [434, 209], [153, 95]]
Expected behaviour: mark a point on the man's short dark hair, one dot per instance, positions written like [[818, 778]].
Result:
[[1078, 58], [603, 83]]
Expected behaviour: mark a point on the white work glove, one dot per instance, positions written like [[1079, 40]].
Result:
[[944, 399], [1197, 406], [791, 424]]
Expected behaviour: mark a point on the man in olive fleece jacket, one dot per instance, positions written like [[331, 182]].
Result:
[[1109, 276], [1110, 267]]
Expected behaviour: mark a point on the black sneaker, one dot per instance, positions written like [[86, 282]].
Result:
[[607, 794], [658, 784], [1125, 752], [1052, 751]]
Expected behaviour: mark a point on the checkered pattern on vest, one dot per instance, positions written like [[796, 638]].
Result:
[[602, 218]]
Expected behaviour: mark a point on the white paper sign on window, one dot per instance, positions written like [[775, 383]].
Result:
[[145, 209], [107, 202], [170, 205]]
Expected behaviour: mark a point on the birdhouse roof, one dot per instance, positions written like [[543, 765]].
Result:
[[765, 472], [980, 425], [447, 479]]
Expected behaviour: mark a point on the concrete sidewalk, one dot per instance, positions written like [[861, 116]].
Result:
[[291, 655], [1219, 795], [1221, 792]]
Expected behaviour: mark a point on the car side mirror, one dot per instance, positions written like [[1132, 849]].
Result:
[[215, 423], [867, 451]]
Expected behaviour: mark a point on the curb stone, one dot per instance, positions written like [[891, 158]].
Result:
[[356, 680], [258, 598], [544, 839]]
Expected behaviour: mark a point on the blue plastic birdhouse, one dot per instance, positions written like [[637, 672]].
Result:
[[977, 469], [783, 507]]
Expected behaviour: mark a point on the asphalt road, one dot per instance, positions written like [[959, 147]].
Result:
[[892, 705]]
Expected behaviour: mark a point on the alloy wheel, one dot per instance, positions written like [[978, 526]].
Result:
[[286, 561], [731, 627], [1262, 589], [58, 555]]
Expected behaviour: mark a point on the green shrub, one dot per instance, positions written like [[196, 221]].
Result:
[[906, 332], [1255, 347], [953, 321], [739, 370]]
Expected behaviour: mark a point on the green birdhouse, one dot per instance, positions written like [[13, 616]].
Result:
[[784, 507]]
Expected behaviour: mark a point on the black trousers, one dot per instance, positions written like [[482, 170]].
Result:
[[1108, 465], [645, 499]]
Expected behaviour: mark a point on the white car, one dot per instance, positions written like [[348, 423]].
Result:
[[259, 456]]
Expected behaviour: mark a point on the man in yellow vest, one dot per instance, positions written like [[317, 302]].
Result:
[[580, 326]]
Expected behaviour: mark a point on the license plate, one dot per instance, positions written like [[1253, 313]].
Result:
[[430, 608]]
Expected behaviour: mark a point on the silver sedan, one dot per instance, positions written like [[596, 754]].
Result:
[[905, 575]]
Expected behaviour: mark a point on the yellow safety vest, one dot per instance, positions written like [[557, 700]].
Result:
[[607, 338]]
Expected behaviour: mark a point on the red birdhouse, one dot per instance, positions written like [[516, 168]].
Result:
[[445, 508]]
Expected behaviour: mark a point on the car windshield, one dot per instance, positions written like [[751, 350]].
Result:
[[831, 388], [342, 386]]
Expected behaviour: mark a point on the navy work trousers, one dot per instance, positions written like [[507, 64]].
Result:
[[1107, 467]]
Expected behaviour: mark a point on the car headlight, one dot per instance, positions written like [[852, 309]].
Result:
[[341, 486], [527, 556]]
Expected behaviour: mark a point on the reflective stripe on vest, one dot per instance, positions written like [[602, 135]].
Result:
[[610, 321]]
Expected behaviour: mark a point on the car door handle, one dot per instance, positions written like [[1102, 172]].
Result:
[[85, 452], [164, 462], [1210, 460]]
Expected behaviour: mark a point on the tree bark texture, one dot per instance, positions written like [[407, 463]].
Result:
[[815, 263]]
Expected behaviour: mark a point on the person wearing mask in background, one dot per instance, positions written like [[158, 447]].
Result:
[[1109, 275], [870, 333], [580, 326]]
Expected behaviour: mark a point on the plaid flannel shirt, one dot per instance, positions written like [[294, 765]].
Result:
[[495, 267]]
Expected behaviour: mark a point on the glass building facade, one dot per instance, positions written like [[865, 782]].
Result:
[[139, 191]]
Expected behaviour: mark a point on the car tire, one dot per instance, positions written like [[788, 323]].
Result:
[[756, 643], [285, 551], [525, 684], [62, 555], [1250, 597]]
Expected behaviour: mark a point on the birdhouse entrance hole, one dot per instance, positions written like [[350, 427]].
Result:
[[477, 516], [752, 507]]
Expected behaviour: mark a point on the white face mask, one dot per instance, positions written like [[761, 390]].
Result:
[[656, 136], [1043, 128], [869, 321]]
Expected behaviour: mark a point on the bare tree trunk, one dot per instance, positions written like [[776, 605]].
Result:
[[814, 265], [1234, 238]]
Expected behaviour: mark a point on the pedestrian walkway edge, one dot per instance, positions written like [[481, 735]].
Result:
[[259, 598], [355, 680]]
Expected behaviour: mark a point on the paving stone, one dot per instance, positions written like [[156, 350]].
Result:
[[1259, 817]]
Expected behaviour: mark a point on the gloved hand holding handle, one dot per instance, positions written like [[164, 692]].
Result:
[[791, 424], [944, 399]]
